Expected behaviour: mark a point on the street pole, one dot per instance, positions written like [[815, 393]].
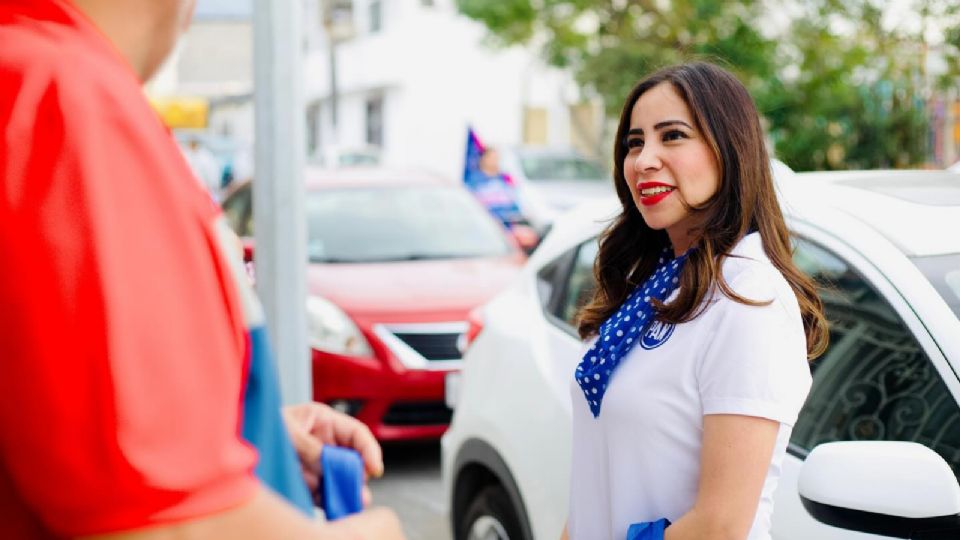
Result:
[[334, 106], [337, 20], [279, 218]]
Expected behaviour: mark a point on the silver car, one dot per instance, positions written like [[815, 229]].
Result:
[[552, 180]]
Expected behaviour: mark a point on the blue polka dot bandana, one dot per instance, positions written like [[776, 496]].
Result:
[[625, 328]]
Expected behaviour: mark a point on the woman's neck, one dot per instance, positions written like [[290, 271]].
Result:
[[680, 243]]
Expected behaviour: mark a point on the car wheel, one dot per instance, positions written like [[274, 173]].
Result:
[[490, 516]]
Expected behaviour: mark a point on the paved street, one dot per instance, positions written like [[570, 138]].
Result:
[[411, 486]]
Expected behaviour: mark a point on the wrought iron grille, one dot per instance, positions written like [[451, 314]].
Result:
[[875, 382]]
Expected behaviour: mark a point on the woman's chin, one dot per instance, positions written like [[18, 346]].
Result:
[[654, 223]]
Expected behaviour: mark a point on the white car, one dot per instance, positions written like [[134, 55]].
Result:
[[552, 180], [887, 244]]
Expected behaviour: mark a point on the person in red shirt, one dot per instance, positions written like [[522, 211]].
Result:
[[137, 390]]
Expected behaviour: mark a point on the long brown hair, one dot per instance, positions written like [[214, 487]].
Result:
[[745, 201]]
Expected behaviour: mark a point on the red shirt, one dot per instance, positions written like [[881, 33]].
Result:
[[121, 334]]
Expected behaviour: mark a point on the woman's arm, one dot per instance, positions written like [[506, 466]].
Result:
[[733, 466]]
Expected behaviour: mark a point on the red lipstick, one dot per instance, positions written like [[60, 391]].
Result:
[[650, 200]]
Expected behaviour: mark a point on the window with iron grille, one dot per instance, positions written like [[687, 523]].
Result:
[[875, 382]]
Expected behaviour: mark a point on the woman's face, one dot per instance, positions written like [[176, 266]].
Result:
[[668, 162]]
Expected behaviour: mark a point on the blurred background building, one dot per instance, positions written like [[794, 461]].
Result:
[[395, 82], [205, 89], [409, 76]]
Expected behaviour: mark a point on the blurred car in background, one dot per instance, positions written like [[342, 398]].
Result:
[[397, 260], [885, 247], [332, 156], [552, 180]]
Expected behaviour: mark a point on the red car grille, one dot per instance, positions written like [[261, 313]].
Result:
[[429, 413], [432, 346]]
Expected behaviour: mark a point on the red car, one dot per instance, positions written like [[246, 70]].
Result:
[[397, 261]]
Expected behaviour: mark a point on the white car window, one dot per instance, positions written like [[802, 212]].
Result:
[[566, 284], [550, 278], [874, 382], [562, 168], [579, 287], [943, 271]]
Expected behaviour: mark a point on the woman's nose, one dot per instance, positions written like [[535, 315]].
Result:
[[648, 159]]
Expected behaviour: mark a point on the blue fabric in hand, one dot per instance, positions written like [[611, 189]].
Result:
[[341, 482], [648, 530]]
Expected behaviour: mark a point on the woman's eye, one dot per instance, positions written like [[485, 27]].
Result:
[[674, 135], [634, 143]]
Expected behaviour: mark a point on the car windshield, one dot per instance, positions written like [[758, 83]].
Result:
[[361, 225], [943, 271], [561, 167]]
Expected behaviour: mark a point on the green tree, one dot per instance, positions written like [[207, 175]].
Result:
[[840, 86], [855, 89], [611, 44]]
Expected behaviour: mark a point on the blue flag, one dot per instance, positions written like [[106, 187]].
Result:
[[495, 191], [475, 148]]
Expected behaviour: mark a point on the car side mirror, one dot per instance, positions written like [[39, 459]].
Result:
[[526, 237], [890, 488]]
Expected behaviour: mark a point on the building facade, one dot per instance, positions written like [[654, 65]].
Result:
[[400, 81], [213, 63], [404, 79]]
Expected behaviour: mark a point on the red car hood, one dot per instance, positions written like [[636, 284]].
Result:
[[407, 291]]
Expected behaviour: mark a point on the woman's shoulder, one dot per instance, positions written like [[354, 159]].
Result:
[[750, 274], [748, 261]]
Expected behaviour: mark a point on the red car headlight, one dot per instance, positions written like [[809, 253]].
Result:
[[331, 330]]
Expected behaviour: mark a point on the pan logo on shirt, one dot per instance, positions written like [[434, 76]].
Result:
[[656, 334]]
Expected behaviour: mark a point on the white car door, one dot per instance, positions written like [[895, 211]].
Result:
[[563, 285], [574, 286], [882, 378]]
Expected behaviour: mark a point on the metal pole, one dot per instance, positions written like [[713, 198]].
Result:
[[334, 105], [338, 25], [279, 219]]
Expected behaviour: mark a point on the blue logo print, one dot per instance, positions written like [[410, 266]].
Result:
[[656, 335]]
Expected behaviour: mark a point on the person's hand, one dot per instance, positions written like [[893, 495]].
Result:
[[312, 425]]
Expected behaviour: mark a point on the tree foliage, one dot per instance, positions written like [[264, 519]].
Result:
[[839, 83]]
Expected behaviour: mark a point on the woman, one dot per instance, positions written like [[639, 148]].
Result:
[[700, 328]]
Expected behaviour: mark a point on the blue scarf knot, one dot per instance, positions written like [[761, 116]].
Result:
[[621, 332]]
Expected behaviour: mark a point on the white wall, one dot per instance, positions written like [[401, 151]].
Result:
[[430, 64], [235, 120], [437, 77], [214, 60]]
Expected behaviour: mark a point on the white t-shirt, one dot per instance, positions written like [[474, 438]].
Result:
[[640, 459]]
